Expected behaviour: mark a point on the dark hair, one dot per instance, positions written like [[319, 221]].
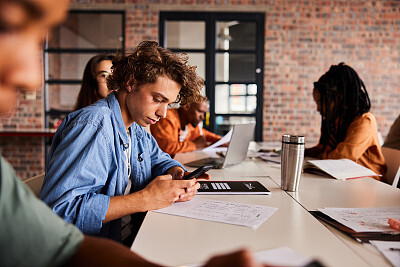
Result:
[[149, 61], [89, 86], [343, 97]]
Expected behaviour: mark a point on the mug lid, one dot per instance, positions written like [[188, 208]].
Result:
[[295, 139]]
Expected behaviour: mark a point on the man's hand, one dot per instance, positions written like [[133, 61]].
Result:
[[200, 142], [163, 191], [176, 172]]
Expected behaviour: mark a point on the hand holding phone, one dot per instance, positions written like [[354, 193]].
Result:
[[198, 172]]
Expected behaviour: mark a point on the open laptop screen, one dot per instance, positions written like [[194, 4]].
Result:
[[237, 149]]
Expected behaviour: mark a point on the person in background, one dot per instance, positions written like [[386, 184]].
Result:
[[94, 80], [348, 128], [181, 131], [31, 234], [392, 140]]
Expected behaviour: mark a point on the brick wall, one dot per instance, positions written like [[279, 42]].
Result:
[[302, 39], [26, 154]]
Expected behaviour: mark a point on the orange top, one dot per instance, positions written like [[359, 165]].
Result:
[[168, 130], [361, 145]]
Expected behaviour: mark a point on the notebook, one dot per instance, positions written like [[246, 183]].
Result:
[[342, 169], [237, 148], [232, 188]]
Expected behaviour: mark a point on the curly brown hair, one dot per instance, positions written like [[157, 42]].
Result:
[[149, 61]]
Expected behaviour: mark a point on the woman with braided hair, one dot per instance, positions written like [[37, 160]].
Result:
[[348, 128]]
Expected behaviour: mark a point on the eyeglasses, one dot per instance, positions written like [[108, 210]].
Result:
[[102, 77]]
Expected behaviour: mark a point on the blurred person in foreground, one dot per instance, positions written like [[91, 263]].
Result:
[[31, 234], [181, 130], [348, 128]]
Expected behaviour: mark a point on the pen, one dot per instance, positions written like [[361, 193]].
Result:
[[394, 249]]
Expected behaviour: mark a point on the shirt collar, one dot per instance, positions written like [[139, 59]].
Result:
[[120, 125], [134, 128]]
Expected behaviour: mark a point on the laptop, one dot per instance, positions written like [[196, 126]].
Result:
[[237, 148]]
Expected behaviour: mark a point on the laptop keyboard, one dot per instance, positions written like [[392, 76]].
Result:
[[215, 162]]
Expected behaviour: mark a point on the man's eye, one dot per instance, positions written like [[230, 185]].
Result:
[[157, 99]]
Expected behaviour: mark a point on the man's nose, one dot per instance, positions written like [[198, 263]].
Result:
[[162, 111]]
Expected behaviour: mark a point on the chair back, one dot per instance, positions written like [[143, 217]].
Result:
[[392, 158], [35, 183]]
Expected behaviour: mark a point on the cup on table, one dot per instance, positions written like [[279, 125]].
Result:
[[292, 157]]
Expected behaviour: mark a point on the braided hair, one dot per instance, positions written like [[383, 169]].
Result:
[[343, 97]]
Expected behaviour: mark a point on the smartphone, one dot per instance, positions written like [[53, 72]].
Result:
[[199, 171]]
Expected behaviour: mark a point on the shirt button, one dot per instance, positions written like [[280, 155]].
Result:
[[126, 145]]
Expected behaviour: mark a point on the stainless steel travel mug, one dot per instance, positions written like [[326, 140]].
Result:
[[292, 157]]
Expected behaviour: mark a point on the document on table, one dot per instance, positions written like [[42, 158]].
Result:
[[364, 219], [221, 211], [270, 156], [225, 139], [282, 256], [338, 168], [390, 249]]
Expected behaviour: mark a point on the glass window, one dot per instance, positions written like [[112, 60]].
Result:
[[234, 99], [67, 65], [252, 89], [238, 89], [225, 47], [68, 49], [251, 104], [185, 34], [237, 104], [236, 35], [225, 123], [199, 60], [63, 96], [235, 67], [222, 94], [89, 30]]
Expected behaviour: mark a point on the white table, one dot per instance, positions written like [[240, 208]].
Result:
[[318, 192], [174, 240]]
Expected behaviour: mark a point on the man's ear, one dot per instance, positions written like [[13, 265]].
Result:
[[130, 85], [185, 107]]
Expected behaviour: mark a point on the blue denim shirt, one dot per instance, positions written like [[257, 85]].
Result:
[[86, 166]]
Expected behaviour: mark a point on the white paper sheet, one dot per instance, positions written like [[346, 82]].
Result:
[[225, 139], [364, 219], [390, 249], [341, 168], [283, 256], [221, 211], [270, 156]]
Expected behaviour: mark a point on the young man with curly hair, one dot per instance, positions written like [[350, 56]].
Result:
[[104, 170]]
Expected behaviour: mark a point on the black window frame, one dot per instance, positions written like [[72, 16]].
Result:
[[47, 81], [210, 19], [47, 51]]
